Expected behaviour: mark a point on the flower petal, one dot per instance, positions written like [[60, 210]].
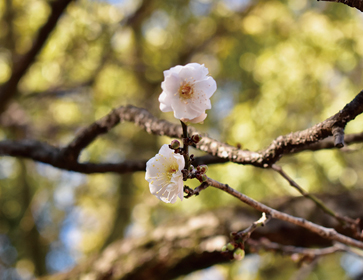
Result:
[[187, 73], [186, 91], [166, 151], [180, 161], [195, 71], [163, 172], [185, 110], [199, 119], [175, 69], [171, 83], [208, 86]]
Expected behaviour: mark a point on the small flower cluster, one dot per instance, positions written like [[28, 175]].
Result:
[[238, 253], [186, 91], [198, 173], [167, 170]]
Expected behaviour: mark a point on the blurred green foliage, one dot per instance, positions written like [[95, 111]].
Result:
[[280, 66]]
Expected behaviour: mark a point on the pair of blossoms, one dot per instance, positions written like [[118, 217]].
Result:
[[186, 91]]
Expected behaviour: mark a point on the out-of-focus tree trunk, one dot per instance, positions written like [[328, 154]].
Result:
[[188, 244]]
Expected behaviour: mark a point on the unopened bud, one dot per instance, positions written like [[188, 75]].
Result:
[[202, 169], [175, 144], [196, 138], [204, 178], [230, 246], [239, 254], [224, 248], [191, 167]]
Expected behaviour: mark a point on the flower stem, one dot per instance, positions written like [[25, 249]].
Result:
[[185, 145]]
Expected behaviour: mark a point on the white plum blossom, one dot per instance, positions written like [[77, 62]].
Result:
[[186, 91], [163, 172], [199, 119]]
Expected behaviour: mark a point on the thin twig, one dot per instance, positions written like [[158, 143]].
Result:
[[190, 192], [328, 233], [267, 245], [243, 235], [342, 219]]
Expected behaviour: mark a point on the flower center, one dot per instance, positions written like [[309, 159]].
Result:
[[186, 91], [170, 171]]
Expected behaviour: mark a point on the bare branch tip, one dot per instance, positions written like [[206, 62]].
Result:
[[338, 134]]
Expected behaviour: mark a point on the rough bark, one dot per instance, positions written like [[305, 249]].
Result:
[[67, 157]]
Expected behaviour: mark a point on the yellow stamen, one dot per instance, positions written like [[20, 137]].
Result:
[[186, 91]]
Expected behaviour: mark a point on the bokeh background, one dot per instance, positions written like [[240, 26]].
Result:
[[280, 66]]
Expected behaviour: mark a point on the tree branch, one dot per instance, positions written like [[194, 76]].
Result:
[[329, 143], [139, 116], [288, 143], [282, 145], [351, 3], [43, 152], [324, 232], [353, 224], [267, 245], [67, 157]]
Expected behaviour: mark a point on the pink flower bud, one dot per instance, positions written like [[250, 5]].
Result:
[[175, 144], [196, 138]]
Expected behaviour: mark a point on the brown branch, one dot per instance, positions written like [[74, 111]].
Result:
[[20, 67], [140, 117], [243, 235], [68, 157], [280, 146], [190, 192], [329, 143], [235, 249], [288, 143], [43, 152], [267, 245], [351, 3], [324, 232]]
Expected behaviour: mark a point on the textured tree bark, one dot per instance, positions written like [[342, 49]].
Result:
[[188, 244], [313, 138]]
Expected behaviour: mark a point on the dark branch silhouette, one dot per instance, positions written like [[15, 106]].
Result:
[[351, 3], [8, 90]]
